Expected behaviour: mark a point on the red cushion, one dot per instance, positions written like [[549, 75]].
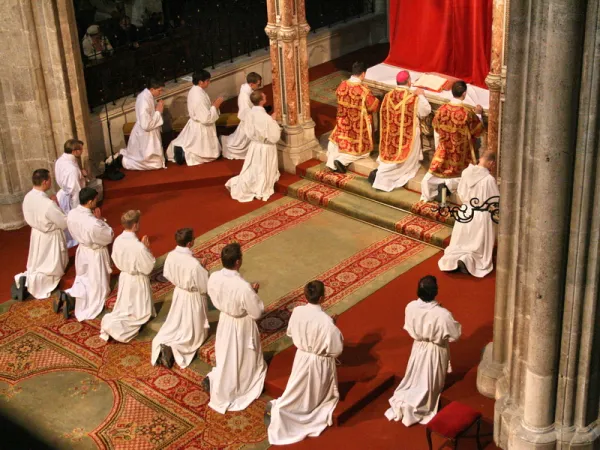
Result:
[[453, 420]]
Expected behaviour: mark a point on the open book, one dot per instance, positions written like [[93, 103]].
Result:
[[431, 82]]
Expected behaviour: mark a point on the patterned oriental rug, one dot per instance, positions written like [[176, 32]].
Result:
[[62, 382], [323, 89]]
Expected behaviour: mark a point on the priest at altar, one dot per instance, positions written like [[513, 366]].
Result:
[[456, 127], [352, 137], [400, 151]]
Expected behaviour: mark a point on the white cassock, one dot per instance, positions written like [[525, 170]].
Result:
[[392, 176], [432, 327], [70, 180], [235, 146], [260, 171], [311, 395], [92, 262], [48, 256], [186, 327], [473, 242], [239, 376], [133, 307], [144, 150], [199, 136]]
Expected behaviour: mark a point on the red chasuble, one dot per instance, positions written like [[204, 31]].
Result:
[[457, 127], [398, 125], [353, 124]]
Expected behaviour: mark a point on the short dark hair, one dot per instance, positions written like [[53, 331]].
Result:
[[256, 97], [358, 68], [73, 144], [253, 77], [184, 236], [200, 75], [86, 195], [428, 288], [155, 83], [314, 291], [231, 254], [459, 88], [39, 176]]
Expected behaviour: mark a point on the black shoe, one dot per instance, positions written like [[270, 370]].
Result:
[[57, 302], [372, 176], [19, 293], [206, 385], [268, 414], [166, 356], [69, 304], [118, 162], [179, 155], [462, 267], [339, 167]]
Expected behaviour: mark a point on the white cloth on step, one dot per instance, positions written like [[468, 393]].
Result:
[[239, 375], [133, 307], [199, 136], [333, 154], [92, 262], [48, 256], [473, 242], [144, 150], [429, 186], [260, 171], [432, 327], [70, 180], [311, 394], [186, 327], [235, 146]]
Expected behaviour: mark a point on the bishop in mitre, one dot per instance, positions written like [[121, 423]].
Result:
[[472, 244], [235, 146], [186, 327], [352, 137], [239, 375], [311, 395], [432, 328], [456, 127], [260, 171], [400, 151], [134, 259], [198, 143], [48, 256], [144, 150]]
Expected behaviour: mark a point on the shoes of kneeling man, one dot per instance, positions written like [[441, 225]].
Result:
[[267, 418], [462, 267], [66, 302], [166, 357], [372, 176], [19, 293], [339, 167], [206, 385], [179, 155]]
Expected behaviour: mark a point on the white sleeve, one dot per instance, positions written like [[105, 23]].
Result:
[[146, 260], [150, 119], [253, 304], [204, 115], [55, 215], [273, 131], [424, 108], [202, 278]]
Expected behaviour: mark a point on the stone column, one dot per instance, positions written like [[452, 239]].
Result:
[[543, 365], [287, 30], [43, 99]]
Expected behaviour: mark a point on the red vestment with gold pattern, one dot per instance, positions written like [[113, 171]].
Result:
[[353, 124], [398, 125], [457, 127]]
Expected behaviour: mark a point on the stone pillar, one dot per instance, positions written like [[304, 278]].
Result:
[[543, 366], [43, 101], [287, 30]]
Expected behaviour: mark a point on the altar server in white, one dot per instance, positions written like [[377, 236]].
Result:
[[134, 259], [239, 376], [48, 256], [260, 171], [235, 146], [472, 244], [92, 260], [311, 395], [198, 142], [186, 327], [144, 150], [71, 179], [432, 327]]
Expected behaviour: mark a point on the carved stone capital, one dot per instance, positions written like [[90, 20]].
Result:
[[303, 29], [272, 31], [494, 82], [288, 34]]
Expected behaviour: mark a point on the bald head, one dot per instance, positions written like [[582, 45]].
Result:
[[488, 159]]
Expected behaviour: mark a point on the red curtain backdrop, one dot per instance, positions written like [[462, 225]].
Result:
[[452, 37]]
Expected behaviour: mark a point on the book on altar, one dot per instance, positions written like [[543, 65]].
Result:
[[431, 82]]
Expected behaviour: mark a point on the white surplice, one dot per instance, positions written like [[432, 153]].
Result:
[[186, 327], [392, 176], [70, 180], [432, 327], [473, 242], [311, 395], [144, 150], [199, 136], [260, 171], [133, 307], [235, 146], [48, 256], [239, 376], [92, 262]]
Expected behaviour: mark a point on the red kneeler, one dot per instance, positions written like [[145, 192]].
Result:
[[452, 422]]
